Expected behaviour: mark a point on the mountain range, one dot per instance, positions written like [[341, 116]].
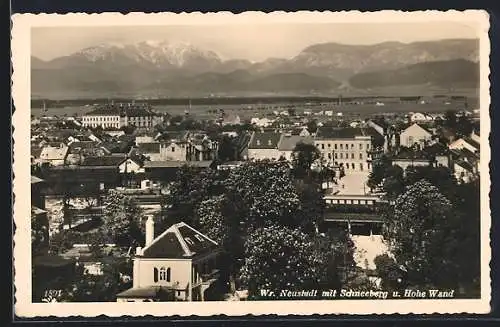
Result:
[[172, 69]]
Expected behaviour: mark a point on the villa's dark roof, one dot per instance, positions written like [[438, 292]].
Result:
[[179, 241], [264, 140]]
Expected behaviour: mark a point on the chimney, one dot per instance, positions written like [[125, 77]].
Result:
[[150, 230]]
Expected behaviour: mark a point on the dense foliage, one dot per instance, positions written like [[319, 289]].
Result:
[[123, 221]]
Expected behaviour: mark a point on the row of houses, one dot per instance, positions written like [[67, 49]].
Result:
[[350, 148]]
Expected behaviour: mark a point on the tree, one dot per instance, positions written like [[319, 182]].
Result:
[[450, 118], [310, 214], [190, 187], [278, 258], [441, 177], [211, 219], [267, 193], [464, 126], [337, 250], [389, 272], [99, 288], [226, 149], [176, 120], [379, 172], [417, 231], [393, 183], [219, 219], [123, 221], [312, 126], [303, 156]]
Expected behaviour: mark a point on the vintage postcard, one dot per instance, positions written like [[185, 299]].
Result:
[[256, 163]]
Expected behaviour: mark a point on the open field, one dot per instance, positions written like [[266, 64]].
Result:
[[246, 110]]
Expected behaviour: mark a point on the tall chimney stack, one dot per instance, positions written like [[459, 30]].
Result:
[[150, 230]]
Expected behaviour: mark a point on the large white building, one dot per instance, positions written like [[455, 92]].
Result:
[[117, 116], [348, 148]]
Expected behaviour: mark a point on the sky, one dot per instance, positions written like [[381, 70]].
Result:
[[255, 42]]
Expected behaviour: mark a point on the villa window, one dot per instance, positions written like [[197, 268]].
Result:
[[322, 146], [361, 146], [352, 155], [360, 156], [161, 274], [341, 155], [335, 155], [352, 146], [347, 146], [341, 146], [360, 166], [329, 156], [335, 146], [173, 149], [329, 145]]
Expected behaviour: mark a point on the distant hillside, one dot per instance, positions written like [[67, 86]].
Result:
[[450, 73], [170, 68]]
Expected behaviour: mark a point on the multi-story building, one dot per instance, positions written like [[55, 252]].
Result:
[[346, 148], [117, 116]]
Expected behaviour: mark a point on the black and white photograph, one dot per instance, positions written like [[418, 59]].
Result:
[[225, 163]]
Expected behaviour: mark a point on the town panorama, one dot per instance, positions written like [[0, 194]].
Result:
[[163, 171]]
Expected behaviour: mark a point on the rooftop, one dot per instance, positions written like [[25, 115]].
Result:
[[472, 142], [179, 241], [344, 132], [113, 160], [288, 143], [264, 140]]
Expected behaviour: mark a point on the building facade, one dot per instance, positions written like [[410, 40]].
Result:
[[118, 116], [415, 134], [348, 148]]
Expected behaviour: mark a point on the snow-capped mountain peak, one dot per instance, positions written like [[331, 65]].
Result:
[[101, 51], [152, 52]]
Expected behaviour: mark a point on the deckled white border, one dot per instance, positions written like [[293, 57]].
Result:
[[21, 44]]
